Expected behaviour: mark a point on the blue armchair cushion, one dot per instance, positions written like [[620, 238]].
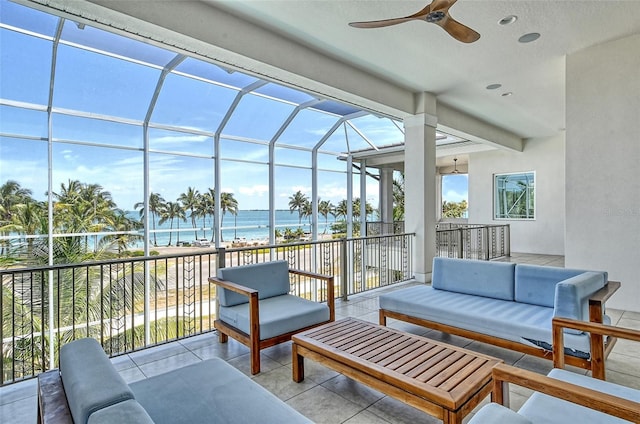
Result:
[[278, 315], [493, 413], [540, 407], [90, 381], [479, 278], [268, 278]]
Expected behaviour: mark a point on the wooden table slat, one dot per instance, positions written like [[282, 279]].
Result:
[[448, 372], [383, 352], [462, 374]]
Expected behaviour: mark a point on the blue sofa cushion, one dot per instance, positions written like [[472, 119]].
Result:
[[208, 392], [90, 381], [540, 407], [495, 317], [127, 412], [480, 278], [278, 315], [269, 278], [536, 284]]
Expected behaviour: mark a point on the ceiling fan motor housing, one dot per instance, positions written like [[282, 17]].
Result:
[[436, 16]]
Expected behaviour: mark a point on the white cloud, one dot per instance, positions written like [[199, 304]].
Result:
[[455, 196], [255, 190]]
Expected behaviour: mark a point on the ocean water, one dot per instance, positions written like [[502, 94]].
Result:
[[248, 224]]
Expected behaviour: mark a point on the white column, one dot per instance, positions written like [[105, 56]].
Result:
[[386, 195], [420, 189]]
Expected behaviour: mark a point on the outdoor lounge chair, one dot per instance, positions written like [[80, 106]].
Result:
[[562, 395], [255, 308]]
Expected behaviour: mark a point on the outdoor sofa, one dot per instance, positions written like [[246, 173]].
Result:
[[509, 305], [87, 389]]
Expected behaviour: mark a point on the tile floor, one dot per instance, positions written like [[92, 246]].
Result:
[[326, 396]]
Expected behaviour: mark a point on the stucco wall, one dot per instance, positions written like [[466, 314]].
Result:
[[545, 234], [603, 156]]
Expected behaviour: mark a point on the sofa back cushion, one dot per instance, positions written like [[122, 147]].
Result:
[[480, 278], [90, 381], [269, 278], [536, 284]]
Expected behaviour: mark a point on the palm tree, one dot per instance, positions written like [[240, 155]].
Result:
[[191, 200], [342, 209], [307, 210], [171, 211], [296, 202], [11, 194], [398, 198], [119, 222], [325, 207], [209, 207], [228, 203], [156, 206]]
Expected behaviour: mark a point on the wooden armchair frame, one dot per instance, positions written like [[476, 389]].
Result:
[[589, 398], [252, 340]]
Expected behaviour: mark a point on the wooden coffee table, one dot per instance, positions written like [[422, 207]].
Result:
[[439, 379]]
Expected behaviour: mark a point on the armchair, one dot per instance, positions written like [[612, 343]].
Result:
[[255, 308], [563, 394]]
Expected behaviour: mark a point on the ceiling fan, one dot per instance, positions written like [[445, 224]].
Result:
[[436, 13]]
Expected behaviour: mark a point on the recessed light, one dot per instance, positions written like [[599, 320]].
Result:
[[493, 86], [508, 20], [527, 38], [507, 94]]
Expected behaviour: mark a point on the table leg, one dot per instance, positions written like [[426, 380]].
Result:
[[297, 364], [451, 417]]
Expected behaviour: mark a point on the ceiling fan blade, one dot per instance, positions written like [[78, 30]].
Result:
[[381, 23], [458, 31], [394, 21]]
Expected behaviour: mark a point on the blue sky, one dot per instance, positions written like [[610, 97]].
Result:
[[99, 151]]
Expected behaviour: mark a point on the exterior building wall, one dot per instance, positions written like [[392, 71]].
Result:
[[545, 156], [603, 153]]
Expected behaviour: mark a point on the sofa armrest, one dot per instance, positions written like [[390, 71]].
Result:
[[593, 399], [329, 279], [597, 331]]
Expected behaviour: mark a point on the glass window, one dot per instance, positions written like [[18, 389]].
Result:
[[26, 162], [97, 166], [257, 117], [331, 162], [26, 18], [286, 156], [380, 131], [514, 195], [307, 128], [101, 84], [19, 121], [25, 64], [191, 103], [76, 128], [180, 142], [232, 149]]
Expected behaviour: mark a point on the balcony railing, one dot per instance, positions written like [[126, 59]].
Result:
[[130, 304], [458, 239], [473, 241]]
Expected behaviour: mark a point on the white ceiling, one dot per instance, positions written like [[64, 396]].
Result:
[[422, 57]]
